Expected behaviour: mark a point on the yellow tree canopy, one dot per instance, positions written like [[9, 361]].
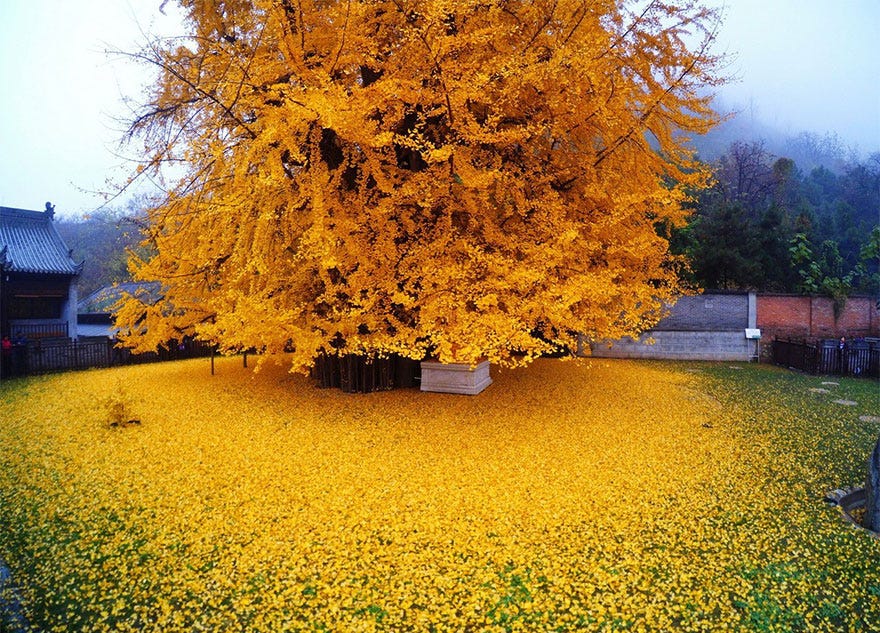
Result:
[[422, 177]]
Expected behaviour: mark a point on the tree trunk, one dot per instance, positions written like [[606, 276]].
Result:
[[872, 488]]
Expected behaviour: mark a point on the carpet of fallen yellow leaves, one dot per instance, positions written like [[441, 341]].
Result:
[[596, 495]]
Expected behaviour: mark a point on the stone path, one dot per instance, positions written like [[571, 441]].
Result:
[[841, 401]]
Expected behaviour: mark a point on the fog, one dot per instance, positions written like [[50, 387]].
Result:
[[801, 65], [806, 65]]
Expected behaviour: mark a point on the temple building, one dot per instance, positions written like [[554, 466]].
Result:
[[38, 299]]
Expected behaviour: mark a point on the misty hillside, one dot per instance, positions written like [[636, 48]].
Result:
[[807, 149]]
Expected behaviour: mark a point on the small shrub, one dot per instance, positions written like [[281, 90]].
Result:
[[118, 408]]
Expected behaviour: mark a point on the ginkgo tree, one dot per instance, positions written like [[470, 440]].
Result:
[[443, 178]]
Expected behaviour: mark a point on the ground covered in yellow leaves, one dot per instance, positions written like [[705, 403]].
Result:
[[599, 495]]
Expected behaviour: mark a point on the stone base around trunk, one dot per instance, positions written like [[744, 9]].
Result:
[[455, 377]]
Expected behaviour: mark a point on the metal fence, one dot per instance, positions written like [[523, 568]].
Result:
[[43, 358], [860, 358]]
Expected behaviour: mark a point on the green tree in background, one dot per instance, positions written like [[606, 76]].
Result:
[[765, 226], [102, 242], [824, 272]]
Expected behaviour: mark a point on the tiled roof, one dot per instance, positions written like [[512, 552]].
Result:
[[29, 243], [104, 299]]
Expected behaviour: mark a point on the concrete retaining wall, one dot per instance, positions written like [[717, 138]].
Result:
[[705, 327], [720, 345]]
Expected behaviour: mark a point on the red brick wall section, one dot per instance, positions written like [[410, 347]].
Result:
[[813, 317], [783, 316]]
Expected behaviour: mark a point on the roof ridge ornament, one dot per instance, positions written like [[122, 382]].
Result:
[[50, 210]]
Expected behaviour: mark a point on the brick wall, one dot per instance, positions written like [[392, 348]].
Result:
[[813, 317], [712, 326]]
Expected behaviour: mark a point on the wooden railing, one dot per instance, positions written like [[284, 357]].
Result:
[[38, 357], [36, 332]]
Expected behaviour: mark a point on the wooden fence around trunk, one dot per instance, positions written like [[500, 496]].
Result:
[[856, 358], [361, 374]]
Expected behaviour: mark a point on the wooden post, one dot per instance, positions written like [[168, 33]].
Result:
[[245, 359], [212, 361], [872, 491]]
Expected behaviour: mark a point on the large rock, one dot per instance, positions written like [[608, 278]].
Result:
[[872, 488]]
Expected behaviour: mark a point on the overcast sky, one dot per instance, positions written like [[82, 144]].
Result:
[[803, 65]]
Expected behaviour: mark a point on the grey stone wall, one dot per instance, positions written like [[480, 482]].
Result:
[[670, 345], [706, 327], [707, 313]]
